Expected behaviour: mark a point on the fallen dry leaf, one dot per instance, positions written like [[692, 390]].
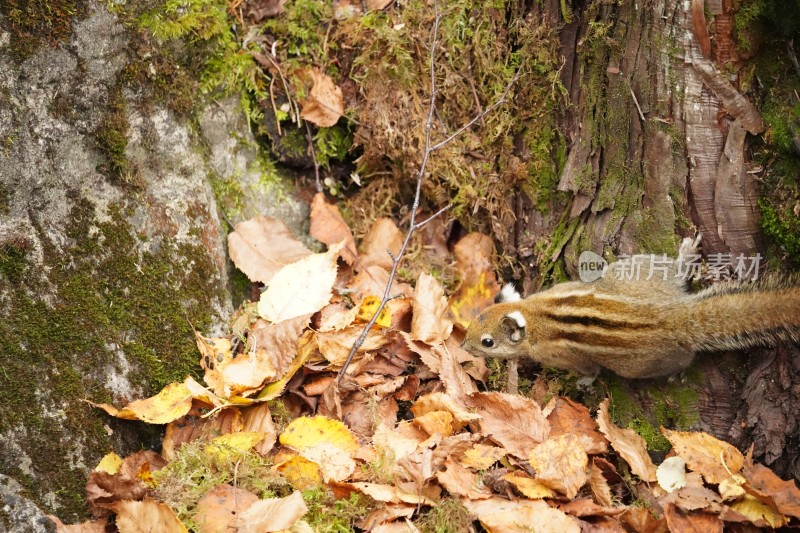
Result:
[[90, 526], [671, 474], [627, 444], [278, 342], [515, 422], [170, 404], [300, 288], [231, 375], [586, 507], [438, 401], [258, 10], [145, 516], [231, 446], [369, 306], [193, 425], [567, 416], [263, 245], [390, 494], [440, 422], [328, 227], [599, 485], [306, 346], [528, 486], [478, 284], [372, 281], [499, 515], [481, 456], [258, 419], [758, 513], [329, 443], [560, 462], [387, 513], [301, 473], [336, 345], [111, 463], [696, 521], [716, 460], [429, 322], [642, 520], [218, 509], [462, 481], [382, 236], [274, 514], [336, 316], [401, 441], [762, 483], [325, 103]]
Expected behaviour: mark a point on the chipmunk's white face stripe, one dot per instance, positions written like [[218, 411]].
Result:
[[509, 294], [517, 317]]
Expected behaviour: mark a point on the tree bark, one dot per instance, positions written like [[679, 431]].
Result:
[[657, 139]]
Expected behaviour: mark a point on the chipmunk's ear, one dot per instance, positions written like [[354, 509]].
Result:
[[508, 294], [514, 326]]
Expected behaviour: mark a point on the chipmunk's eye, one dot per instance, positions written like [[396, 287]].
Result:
[[487, 341]]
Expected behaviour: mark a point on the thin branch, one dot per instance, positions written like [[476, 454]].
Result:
[[413, 225], [313, 156]]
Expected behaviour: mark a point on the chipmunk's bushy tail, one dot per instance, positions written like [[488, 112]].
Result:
[[732, 316]]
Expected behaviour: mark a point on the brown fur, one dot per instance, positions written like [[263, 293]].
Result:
[[637, 328]]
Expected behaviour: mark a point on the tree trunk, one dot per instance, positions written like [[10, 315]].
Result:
[[658, 136]]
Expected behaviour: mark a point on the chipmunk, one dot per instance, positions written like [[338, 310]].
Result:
[[637, 328]]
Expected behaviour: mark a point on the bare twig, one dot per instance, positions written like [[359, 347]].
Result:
[[313, 157], [413, 225]]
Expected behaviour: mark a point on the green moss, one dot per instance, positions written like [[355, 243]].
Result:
[[36, 22], [448, 516], [111, 136], [326, 514]]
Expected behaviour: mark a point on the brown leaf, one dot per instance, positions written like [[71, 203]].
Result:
[[387, 513], [361, 413], [627, 444], [382, 236], [377, 4], [90, 526], [641, 519], [147, 515], [401, 441], [455, 378], [389, 493], [278, 341], [103, 489], [462, 481], [692, 522], [261, 246], [560, 462], [478, 284], [586, 507], [499, 515], [258, 10], [336, 316], [528, 486], [328, 227], [783, 496], [218, 509], [599, 485], [258, 419], [440, 422], [193, 425], [274, 514], [336, 345], [693, 498], [371, 281], [429, 323], [325, 103], [438, 401], [567, 416], [716, 460], [515, 422], [481, 456]]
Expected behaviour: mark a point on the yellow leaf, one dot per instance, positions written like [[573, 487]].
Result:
[[110, 463], [168, 405], [231, 445], [146, 515], [755, 511], [715, 459], [301, 473], [307, 346], [369, 305], [482, 456], [429, 322], [300, 288], [329, 443], [560, 462], [528, 486]]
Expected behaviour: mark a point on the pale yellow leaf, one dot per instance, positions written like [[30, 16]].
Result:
[[759, 513], [528, 486], [300, 288], [716, 460], [499, 515], [274, 514], [671, 474], [627, 444], [261, 246], [146, 516], [429, 322], [327, 442], [110, 463], [560, 462]]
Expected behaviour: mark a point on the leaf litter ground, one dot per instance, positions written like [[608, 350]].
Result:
[[411, 440]]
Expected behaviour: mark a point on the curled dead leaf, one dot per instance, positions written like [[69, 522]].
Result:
[[263, 245], [328, 227], [325, 103], [627, 444]]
